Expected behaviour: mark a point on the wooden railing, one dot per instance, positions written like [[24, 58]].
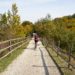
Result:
[[61, 53], [8, 46], [65, 57]]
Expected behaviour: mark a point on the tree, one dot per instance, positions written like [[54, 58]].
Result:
[[3, 22], [10, 25], [26, 23], [28, 27], [14, 9]]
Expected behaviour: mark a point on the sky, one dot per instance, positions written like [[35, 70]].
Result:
[[33, 10]]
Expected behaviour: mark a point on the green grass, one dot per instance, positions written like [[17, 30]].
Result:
[[61, 63], [7, 60]]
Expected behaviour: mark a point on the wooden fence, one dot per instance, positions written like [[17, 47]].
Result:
[[65, 56], [8, 46]]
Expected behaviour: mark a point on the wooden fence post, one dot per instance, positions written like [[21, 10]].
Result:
[[10, 45], [69, 59]]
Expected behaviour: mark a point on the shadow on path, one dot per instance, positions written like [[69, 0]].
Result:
[[44, 64]]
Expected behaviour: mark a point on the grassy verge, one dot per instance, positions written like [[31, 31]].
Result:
[[61, 63], [7, 60]]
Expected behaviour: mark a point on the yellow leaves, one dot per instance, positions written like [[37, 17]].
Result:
[[73, 29], [19, 30], [28, 27]]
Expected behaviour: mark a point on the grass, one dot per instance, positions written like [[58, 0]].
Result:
[[61, 63], [7, 60]]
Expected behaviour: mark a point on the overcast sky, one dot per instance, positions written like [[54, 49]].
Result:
[[35, 9]]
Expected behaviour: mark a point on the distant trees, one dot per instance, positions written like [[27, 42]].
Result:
[[28, 27], [60, 31], [3, 25], [10, 25]]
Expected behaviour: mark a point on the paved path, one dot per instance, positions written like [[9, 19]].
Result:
[[32, 62]]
